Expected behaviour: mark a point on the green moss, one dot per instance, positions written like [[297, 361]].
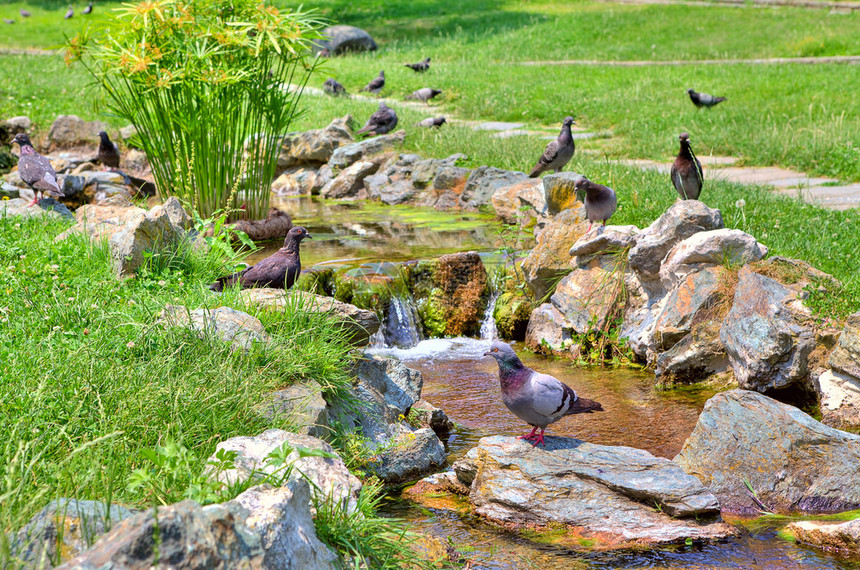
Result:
[[432, 314], [512, 314]]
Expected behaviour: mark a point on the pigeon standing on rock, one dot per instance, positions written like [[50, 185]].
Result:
[[421, 66], [36, 170], [108, 151], [431, 122], [703, 99], [557, 153], [600, 201], [278, 271], [382, 121], [377, 84], [687, 171], [88, 9], [69, 13], [424, 94], [334, 88], [537, 399]]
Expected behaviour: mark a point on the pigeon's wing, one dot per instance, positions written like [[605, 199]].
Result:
[[552, 398], [375, 84], [46, 164], [550, 152], [48, 183], [675, 173], [269, 271]]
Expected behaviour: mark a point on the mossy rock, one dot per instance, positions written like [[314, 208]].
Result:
[[320, 281], [7, 160], [432, 314], [512, 314]]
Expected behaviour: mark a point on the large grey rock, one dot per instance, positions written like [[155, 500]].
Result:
[[424, 171], [606, 240], [342, 39], [350, 182], [282, 518], [345, 155], [588, 297], [329, 475], [840, 538], [315, 147], [296, 181], [695, 358], [558, 191], [845, 358], [687, 303], [549, 260], [409, 456], [606, 493], [71, 130], [483, 182], [13, 126], [225, 323], [839, 397], [181, 536], [683, 219], [18, 207], [399, 385], [768, 338], [380, 187], [546, 331], [708, 249], [521, 203], [792, 462], [303, 404], [447, 187]]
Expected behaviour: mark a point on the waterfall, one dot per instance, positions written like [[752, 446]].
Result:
[[488, 324], [400, 328]]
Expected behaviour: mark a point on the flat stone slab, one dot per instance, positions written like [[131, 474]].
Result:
[[498, 126]]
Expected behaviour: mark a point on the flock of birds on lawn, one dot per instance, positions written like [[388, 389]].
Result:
[[70, 13]]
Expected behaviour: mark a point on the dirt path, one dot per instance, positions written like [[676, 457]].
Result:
[[844, 59], [813, 4]]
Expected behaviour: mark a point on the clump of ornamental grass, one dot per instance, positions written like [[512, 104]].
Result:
[[204, 82]]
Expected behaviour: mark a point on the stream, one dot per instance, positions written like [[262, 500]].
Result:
[[458, 379]]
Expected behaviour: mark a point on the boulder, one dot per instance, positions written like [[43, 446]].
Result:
[[521, 203], [282, 519], [790, 461], [183, 535], [708, 249], [546, 332], [428, 415], [558, 192], [588, 297], [13, 126], [303, 404], [151, 232], [323, 177], [380, 187], [398, 384], [9, 192], [350, 182], [19, 207], [840, 538], [608, 240], [447, 188], [485, 181], [409, 456], [359, 324], [343, 39], [688, 303], [768, 337], [425, 171], [512, 313], [295, 181], [346, 155], [695, 358], [315, 147], [71, 130], [616, 496], [330, 478], [224, 323], [845, 358], [683, 219], [839, 399], [101, 221], [549, 260]]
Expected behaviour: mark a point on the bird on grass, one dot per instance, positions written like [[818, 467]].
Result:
[[687, 174], [537, 399], [334, 88], [431, 122], [424, 94], [278, 271], [88, 9], [24, 13], [36, 170], [421, 66], [558, 152], [69, 13], [703, 99], [380, 122], [600, 201], [376, 85], [108, 151], [8, 21]]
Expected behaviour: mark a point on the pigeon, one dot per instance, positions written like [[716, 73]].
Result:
[[377, 84], [431, 122], [600, 201], [421, 66], [108, 151], [424, 94], [333, 88], [703, 99], [558, 152], [382, 121], [88, 9], [278, 271], [8, 21], [687, 171], [24, 13], [537, 399], [69, 13], [36, 170]]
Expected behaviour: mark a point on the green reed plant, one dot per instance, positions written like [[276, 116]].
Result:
[[204, 82]]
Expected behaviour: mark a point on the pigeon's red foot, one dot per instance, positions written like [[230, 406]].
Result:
[[529, 436], [538, 439], [35, 199]]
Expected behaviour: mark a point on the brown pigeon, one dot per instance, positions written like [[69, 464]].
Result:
[[380, 122], [558, 152], [687, 171], [36, 170], [376, 85], [278, 271], [108, 151], [600, 201]]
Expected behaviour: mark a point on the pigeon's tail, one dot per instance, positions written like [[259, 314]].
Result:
[[535, 173], [223, 282], [719, 100], [584, 406], [365, 130]]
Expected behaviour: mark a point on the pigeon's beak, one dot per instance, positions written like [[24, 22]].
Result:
[[309, 236]]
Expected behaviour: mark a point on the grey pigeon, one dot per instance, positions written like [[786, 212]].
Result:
[[558, 152], [687, 171], [600, 201], [69, 13], [36, 170], [431, 122], [537, 399], [377, 84], [333, 88], [703, 99], [421, 66], [88, 9], [382, 121], [108, 152], [278, 271], [8, 21], [24, 13], [424, 94]]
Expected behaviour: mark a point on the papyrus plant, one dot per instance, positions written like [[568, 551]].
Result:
[[203, 81]]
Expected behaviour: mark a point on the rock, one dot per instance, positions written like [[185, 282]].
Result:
[[686, 304], [70, 130], [545, 332], [127, 132], [606, 240], [792, 462], [348, 154], [485, 181], [303, 404], [845, 358], [410, 456], [842, 538], [103, 220], [588, 297], [683, 219], [149, 232], [512, 313], [350, 182], [549, 261], [398, 384], [8, 191], [330, 478], [227, 324], [425, 171], [558, 192], [343, 39], [448, 186], [606, 493], [379, 187], [521, 203], [768, 338], [428, 415], [839, 397], [13, 126], [19, 207], [315, 147], [295, 181], [282, 519], [64, 529], [184, 535], [359, 324], [694, 358], [708, 249]]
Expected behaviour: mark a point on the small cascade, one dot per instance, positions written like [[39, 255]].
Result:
[[488, 324], [400, 326]]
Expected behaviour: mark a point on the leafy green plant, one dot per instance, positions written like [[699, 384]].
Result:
[[203, 81]]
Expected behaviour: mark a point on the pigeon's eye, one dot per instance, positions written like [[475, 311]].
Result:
[[495, 350]]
